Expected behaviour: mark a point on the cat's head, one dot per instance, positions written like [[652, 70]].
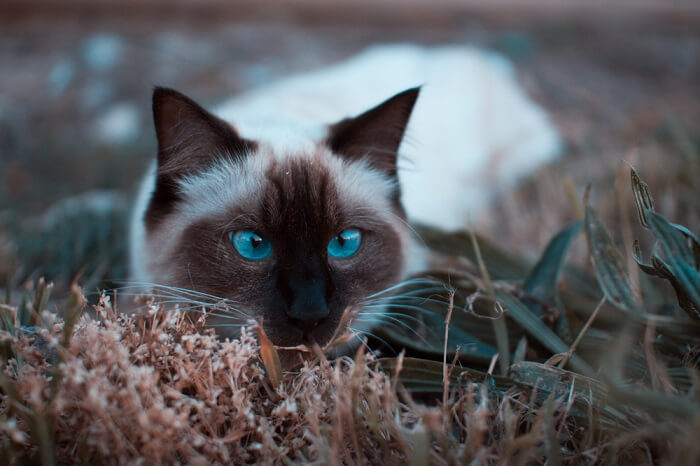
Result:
[[292, 237]]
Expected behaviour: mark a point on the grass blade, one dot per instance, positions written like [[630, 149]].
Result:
[[538, 330], [541, 283], [499, 323], [678, 253], [642, 197], [608, 263], [426, 375], [501, 266]]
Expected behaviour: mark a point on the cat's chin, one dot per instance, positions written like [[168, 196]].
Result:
[[291, 359], [286, 335], [294, 340]]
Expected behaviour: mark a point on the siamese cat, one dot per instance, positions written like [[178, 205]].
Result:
[[292, 204]]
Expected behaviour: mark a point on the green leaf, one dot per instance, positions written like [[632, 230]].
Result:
[[538, 330], [416, 322], [655, 402], [649, 269], [608, 263], [642, 197], [583, 391], [500, 265], [542, 280], [426, 375], [663, 270], [681, 262], [499, 323], [674, 240]]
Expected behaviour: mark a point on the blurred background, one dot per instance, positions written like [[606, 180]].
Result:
[[620, 79]]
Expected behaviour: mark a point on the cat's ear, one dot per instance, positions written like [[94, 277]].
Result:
[[189, 137], [376, 134]]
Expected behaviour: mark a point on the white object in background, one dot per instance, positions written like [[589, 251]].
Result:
[[473, 132]]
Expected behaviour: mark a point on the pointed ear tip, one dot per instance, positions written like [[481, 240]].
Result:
[[414, 91], [160, 93], [410, 95], [160, 90]]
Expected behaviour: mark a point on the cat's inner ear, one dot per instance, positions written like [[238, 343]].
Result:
[[189, 137], [376, 134]]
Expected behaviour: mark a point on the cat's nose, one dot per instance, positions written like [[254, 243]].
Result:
[[308, 308], [309, 319]]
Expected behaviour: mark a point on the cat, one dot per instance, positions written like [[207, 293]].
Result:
[[292, 204]]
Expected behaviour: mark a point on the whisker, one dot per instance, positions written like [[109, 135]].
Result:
[[230, 313], [411, 228], [401, 306], [394, 314], [397, 321], [138, 284], [194, 308], [209, 313], [409, 290], [176, 299], [398, 299], [405, 283], [171, 294], [366, 332], [364, 343]]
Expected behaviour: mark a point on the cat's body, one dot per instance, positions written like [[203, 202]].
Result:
[[261, 207], [473, 132]]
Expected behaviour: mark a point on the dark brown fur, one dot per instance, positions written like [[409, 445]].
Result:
[[299, 292], [189, 141], [299, 213]]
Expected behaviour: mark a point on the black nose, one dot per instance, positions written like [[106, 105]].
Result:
[[308, 307], [310, 320]]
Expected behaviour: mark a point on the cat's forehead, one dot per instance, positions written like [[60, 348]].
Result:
[[281, 184]]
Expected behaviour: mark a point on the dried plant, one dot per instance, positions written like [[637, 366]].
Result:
[[104, 387]]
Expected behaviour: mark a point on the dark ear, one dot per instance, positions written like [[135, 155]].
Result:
[[189, 140], [376, 134], [189, 137]]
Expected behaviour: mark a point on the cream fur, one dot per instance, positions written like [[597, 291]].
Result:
[[473, 132]]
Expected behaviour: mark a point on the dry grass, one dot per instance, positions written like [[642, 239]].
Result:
[[155, 389], [103, 387]]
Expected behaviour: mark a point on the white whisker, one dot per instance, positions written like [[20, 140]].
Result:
[[394, 321], [393, 314], [193, 308], [400, 306], [366, 332], [364, 343], [146, 285], [406, 283]]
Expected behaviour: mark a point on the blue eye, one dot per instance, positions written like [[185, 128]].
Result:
[[250, 244], [345, 244]]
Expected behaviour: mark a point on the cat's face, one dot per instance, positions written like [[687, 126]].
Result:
[[289, 237]]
